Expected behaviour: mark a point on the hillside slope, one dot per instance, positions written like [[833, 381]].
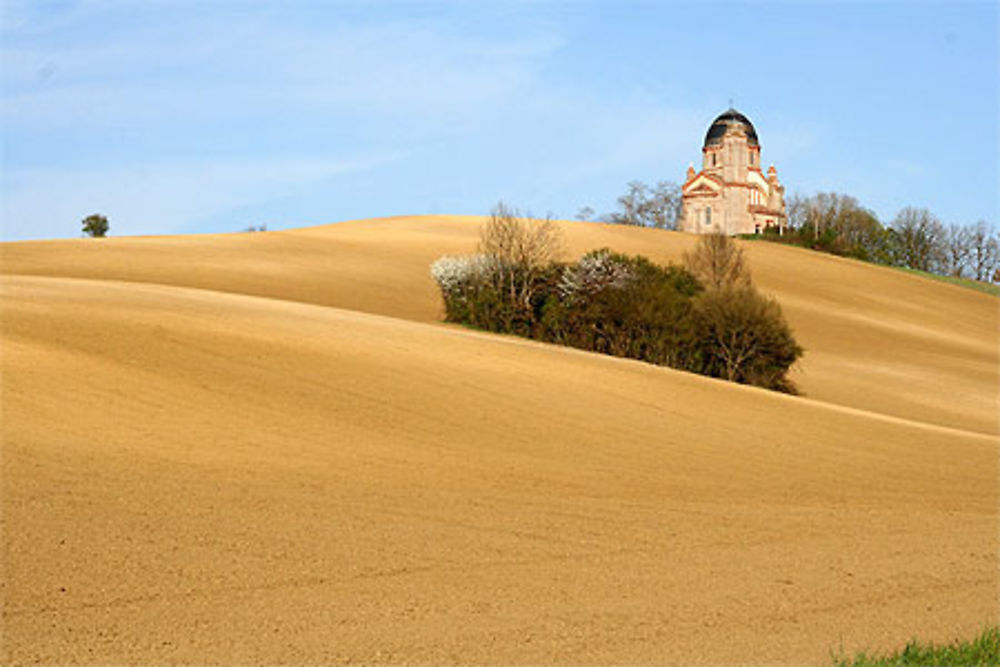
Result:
[[265, 449], [875, 339]]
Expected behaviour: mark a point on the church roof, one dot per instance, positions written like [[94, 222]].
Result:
[[725, 119]]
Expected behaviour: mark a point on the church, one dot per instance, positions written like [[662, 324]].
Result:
[[731, 194]]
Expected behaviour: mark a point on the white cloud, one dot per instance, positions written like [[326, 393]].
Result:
[[251, 65], [400, 86], [71, 98]]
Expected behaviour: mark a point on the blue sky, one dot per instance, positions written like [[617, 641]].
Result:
[[177, 116]]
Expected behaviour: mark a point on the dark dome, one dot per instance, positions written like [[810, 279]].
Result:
[[720, 124]]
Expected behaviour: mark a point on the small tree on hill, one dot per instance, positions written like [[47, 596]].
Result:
[[743, 337], [718, 263], [96, 226], [520, 250]]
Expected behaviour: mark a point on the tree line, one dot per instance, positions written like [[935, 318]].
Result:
[[837, 223], [915, 238]]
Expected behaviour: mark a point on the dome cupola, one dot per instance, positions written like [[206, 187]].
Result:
[[725, 120]]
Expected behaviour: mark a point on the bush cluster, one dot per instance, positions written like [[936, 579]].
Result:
[[627, 306]]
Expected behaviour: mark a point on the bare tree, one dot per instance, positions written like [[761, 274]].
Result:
[[631, 204], [921, 238], [585, 214], [519, 249], [958, 249], [796, 207], [851, 223], [658, 206], [718, 263], [984, 252]]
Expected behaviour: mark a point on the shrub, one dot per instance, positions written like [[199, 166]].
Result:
[[620, 305], [742, 337], [624, 306], [597, 270], [462, 281]]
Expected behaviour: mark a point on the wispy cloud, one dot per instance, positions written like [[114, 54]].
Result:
[[160, 197], [250, 66], [131, 116]]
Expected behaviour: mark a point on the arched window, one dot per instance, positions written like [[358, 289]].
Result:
[[708, 215], [713, 159], [751, 157]]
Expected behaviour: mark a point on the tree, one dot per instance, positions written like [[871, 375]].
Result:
[[718, 263], [836, 223], [623, 306], [743, 337], [920, 237], [797, 208], [958, 249], [984, 252], [520, 250], [644, 206], [96, 226], [585, 214]]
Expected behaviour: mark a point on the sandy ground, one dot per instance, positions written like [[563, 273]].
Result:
[[266, 448]]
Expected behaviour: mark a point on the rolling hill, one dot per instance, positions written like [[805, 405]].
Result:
[[267, 448]]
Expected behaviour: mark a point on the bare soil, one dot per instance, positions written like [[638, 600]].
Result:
[[267, 448]]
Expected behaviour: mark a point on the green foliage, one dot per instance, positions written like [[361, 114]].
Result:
[[96, 226], [626, 307], [968, 283], [915, 239], [644, 316], [742, 337], [982, 651]]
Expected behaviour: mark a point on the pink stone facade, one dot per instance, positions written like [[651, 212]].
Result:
[[731, 194]]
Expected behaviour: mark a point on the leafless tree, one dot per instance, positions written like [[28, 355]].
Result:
[[921, 238], [585, 214], [984, 252], [796, 207], [851, 223], [519, 249], [658, 206], [957, 243], [718, 263]]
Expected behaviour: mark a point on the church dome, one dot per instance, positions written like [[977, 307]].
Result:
[[722, 123]]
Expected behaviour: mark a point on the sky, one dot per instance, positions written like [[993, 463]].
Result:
[[194, 116]]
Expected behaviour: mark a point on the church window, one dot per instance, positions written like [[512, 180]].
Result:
[[713, 159], [708, 215]]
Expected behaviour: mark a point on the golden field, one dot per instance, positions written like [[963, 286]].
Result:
[[267, 448]]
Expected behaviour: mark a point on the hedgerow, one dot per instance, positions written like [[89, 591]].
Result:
[[624, 306]]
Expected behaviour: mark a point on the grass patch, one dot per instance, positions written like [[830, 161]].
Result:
[[986, 288], [798, 242], [983, 650]]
